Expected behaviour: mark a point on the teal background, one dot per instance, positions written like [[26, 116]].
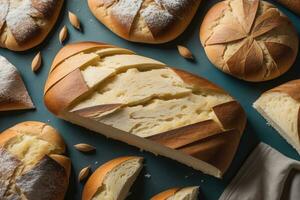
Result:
[[164, 172]]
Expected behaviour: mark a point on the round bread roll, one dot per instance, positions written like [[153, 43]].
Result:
[[280, 106], [145, 21], [249, 39], [113, 179], [13, 93], [188, 193], [32, 164], [25, 24], [145, 103]]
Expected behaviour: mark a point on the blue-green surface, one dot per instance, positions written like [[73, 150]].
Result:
[[164, 172]]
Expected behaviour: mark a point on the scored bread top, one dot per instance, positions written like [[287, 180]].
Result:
[[144, 97], [249, 39], [31, 154], [24, 24], [96, 183], [147, 21]]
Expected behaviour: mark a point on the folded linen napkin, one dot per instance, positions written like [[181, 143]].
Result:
[[266, 175]]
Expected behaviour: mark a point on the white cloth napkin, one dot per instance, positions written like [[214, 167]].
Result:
[[266, 175]]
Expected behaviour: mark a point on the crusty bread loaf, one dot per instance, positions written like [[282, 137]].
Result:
[[188, 193], [293, 5], [13, 93], [143, 102], [25, 24], [113, 179], [249, 39], [146, 21], [32, 164], [280, 106]]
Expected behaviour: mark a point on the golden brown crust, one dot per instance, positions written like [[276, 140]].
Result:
[[155, 22], [47, 12], [293, 5], [63, 161], [165, 194], [96, 179], [291, 88], [235, 36]]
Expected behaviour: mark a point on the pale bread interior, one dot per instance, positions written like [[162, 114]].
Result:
[[281, 111], [119, 180], [188, 193], [152, 97]]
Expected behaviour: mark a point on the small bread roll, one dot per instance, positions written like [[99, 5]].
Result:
[[13, 93], [145, 21], [280, 106], [25, 24], [187, 193], [32, 164], [113, 179], [145, 103], [249, 39]]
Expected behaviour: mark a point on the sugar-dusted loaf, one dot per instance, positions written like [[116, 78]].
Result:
[[13, 93], [32, 165], [143, 102], [25, 24], [113, 179], [187, 193], [146, 21], [249, 39], [280, 106]]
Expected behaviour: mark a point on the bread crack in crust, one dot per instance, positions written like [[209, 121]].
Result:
[[249, 39], [145, 103], [147, 21], [24, 24], [31, 161]]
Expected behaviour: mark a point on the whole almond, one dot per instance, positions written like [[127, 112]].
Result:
[[36, 62], [84, 147], [185, 52], [84, 172], [74, 20], [63, 34]]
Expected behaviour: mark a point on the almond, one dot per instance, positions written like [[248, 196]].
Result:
[[185, 52], [84, 172], [74, 20], [84, 147], [36, 62], [63, 34]]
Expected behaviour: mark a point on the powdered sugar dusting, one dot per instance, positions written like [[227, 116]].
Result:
[[12, 88], [156, 18], [125, 11], [3, 11], [174, 6]]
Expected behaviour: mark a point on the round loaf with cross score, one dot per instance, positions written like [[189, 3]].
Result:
[[249, 39], [25, 24], [32, 163], [146, 21], [145, 103]]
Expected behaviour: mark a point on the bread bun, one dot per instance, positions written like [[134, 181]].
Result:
[[25, 24], [32, 164], [113, 179], [249, 39], [13, 93], [147, 104], [145, 21], [188, 193], [280, 106], [293, 5]]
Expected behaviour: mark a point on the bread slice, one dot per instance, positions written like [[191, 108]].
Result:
[[113, 179], [147, 104], [280, 106], [13, 93], [30, 156], [187, 193]]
